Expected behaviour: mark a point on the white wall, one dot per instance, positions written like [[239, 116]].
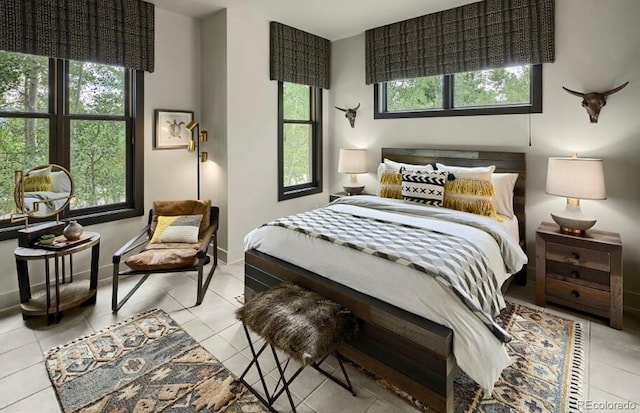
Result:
[[169, 174], [597, 48], [213, 35], [251, 136]]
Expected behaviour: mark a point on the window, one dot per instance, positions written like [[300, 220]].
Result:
[[299, 140], [487, 92], [83, 116]]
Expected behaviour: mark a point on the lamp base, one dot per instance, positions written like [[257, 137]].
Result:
[[353, 190], [572, 224], [571, 220]]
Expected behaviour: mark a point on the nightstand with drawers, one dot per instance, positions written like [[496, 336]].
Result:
[[581, 272]]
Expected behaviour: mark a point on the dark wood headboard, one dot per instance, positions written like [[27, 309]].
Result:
[[514, 162]]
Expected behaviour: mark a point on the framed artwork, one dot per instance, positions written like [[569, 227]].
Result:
[[171, 131]]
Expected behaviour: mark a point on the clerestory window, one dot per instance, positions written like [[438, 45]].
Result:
[[500, 91]]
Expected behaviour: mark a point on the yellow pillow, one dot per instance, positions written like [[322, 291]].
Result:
[[180, 228], [37, 183], [471, 195], [390, 184]]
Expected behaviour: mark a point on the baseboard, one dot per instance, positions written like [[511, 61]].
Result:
[[222, 254], [12, 298], [531, 275], [632, 301], [105, 273], [230, 257], [9, 299]]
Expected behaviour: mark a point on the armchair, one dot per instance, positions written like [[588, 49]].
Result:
[[163, 256]]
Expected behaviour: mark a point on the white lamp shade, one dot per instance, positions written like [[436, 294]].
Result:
[[581, 178], [352, 161]]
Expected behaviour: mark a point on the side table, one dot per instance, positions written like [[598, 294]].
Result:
[[66, 292]]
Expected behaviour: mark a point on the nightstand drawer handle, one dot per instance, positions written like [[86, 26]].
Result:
[[575, 293], [575, 274], [574, 256]]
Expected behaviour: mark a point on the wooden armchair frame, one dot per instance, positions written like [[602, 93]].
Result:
[[142, 238]]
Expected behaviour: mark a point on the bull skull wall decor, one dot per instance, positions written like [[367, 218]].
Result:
[[350, 114], [594, 101]]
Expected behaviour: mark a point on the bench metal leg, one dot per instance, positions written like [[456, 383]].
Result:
[[285, 383], [333, 378], [272, 396]]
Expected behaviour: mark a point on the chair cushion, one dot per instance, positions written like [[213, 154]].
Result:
[[159, 258], [182, 207]]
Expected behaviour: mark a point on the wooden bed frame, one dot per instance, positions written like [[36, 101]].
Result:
[[411, 352]]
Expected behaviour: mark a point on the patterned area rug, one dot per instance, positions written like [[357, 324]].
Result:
[[145, 364], [545, 376]]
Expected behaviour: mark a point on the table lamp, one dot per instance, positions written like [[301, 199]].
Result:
[[575, 178], [352, 162]]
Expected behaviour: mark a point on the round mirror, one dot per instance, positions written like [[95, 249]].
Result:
[[43, 191]]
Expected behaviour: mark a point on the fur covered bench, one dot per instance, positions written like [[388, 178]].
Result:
[[300, 323]]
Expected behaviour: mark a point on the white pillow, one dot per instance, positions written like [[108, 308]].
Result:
[[503, 184], [381, 169], [43, 171], [398, 165], [60, 182], [388, 164], [476, 172], [181, 228]]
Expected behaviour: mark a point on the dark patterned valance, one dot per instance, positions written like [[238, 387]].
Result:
[[115, 32], [483, 35], [299, 57]]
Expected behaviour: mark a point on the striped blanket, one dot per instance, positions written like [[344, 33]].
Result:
[[452, 261]]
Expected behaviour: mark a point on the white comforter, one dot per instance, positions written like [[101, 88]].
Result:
[[478, 352]]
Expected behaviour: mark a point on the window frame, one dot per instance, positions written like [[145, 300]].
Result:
[[379, 102], [315, 120], [60, 146]]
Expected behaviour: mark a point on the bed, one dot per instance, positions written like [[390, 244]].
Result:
[[411, 347]]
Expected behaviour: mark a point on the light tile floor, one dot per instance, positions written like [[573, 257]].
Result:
[[613, 357]]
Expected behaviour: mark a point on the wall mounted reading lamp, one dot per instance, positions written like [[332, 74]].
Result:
[[194, 145]]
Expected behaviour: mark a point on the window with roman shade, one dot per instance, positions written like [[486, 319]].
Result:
[[484, 35], [301, 63], [72, 93], [113, 32], [299, 57]]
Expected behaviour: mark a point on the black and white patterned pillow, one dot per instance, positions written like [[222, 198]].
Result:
[[425, 188]]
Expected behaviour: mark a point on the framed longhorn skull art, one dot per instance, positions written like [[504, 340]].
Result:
[[170, 130], [594, 101]]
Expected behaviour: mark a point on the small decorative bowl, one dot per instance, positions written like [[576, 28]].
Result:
[[47, 240]]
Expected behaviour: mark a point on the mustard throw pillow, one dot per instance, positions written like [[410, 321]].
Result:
[[471, 195], [390, 185], [37, 183], [180, 228]]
